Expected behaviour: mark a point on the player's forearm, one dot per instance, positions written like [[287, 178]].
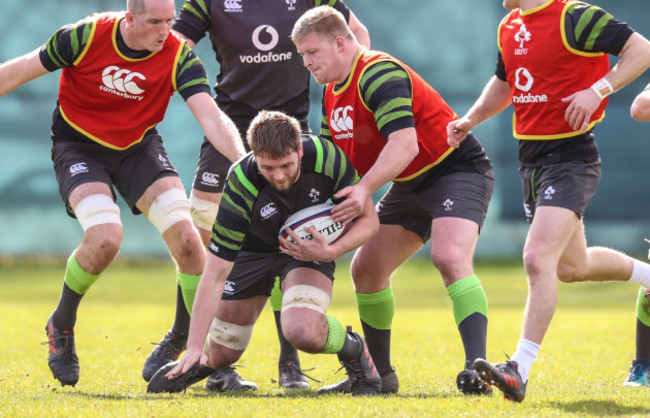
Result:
[[218, 128], [225, 137], [206, 300], [494, 98], [401, 149], [634, 61], [364, 227], [19, 71]]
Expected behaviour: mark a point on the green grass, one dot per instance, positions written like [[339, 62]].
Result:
[[580, 369]]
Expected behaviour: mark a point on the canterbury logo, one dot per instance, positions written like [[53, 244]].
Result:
[[232, 5], [210, 178], [268, 210], [121, 80], [78, 168], [341, 119], [270, 32]]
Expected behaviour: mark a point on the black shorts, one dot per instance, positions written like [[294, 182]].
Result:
[[568, 185], [131, 171], [213, 166], [254, 274], [463, 195]]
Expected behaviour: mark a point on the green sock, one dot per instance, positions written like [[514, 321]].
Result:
[[377, 309], [335, 336], [468, 297], [188, 284], [276, 296], [643, 308], [77, 278]]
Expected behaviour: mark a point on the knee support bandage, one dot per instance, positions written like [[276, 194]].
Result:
[[97, 209], [168, 208], [233, 336], [203, 212], [305, 296]]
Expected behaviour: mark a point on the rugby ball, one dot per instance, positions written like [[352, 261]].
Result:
[[317, 216]]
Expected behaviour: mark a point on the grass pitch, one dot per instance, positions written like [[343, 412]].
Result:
[[580, 369]]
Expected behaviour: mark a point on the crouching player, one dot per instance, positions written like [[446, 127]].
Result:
[[281, 176]]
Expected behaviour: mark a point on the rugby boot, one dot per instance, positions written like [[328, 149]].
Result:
[[361, 370], [228, 380], [639, 374], [62, 357], [159, 382], [504, 376], [470, 383], [167, 350], [389, 384], [291, 377]]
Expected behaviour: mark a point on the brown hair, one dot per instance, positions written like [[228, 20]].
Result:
[[273, 134], [323, 20]]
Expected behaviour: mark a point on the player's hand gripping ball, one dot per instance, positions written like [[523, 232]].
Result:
[[317, 216]]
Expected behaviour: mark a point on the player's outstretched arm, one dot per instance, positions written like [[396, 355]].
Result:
[[494, 99], [18, 71], [204, 309], [218, 128]]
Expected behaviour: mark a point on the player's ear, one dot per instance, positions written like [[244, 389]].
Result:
[[300, 150]]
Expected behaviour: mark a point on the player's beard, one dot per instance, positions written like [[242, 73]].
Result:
[[286, 185]]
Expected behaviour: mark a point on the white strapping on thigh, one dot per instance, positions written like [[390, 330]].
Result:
[[230, 335], [97, 209], [305, 296]]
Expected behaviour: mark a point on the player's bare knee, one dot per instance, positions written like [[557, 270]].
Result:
[[449, 263], [186, 243], [304, 335], [534, 264]]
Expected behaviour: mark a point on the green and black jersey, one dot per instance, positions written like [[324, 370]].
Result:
[[69, 42], [252, 212], [259, 67]]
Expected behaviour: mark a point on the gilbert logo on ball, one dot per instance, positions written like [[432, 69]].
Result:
[[317, 216]]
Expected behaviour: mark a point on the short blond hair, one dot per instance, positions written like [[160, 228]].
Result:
[[322, 20]]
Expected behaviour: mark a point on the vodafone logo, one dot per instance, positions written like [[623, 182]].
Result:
[[269, 31], [523, 79], [122, 82], [341, 121]]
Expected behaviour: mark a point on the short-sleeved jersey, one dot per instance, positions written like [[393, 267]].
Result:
[[252, 212], [259, 64], [542, 68], [111, 94], [545, 54], [380, 96]]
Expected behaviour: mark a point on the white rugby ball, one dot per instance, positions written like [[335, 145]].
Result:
[[317, 216]]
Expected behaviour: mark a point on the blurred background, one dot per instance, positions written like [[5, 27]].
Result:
[[452, 44]]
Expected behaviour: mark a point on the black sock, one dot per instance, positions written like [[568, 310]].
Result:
[[287, 351], [642, 341], [473, 333], [378, 341], [65, 314], [182, 320]]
